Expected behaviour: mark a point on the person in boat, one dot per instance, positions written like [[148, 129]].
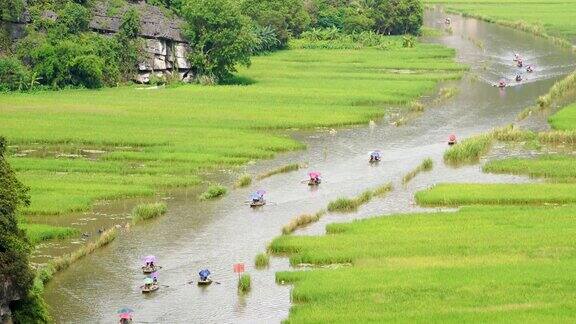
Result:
[[529, 69], [518, 78], [517, 57], [519, 63], [374, 157], [448, 21], [204, 275], [452, 139], [501, 84]]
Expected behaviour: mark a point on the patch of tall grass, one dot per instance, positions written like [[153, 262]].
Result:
[[262, 260], [244, 283], [459, 194], [547, 166], [283, 169], [426, 165], [347, 205], [144, 212], [244, 180], [213, 191], [37, 233], [565, 119], [301, 221], [469, 150], [476, 265]]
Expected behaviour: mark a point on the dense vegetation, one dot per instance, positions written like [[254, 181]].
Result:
[[15, 247], [62, 52]]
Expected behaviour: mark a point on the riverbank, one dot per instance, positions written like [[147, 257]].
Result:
[[550, 19]]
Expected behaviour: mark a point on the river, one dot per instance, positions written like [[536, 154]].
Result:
[[216, 234]]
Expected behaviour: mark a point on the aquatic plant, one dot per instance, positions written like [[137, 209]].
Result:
[[469, 150], [148, 211], [555, 166], [213, 191], [301, 221], [346, 205], [283, 169], [426, 165], [244, 283], [244, 180], [262, 260]]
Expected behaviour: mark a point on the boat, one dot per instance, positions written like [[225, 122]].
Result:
[[452, 140], [313, 182], [258, 203], [150, 269], [257, 199], [204, 282], [146, 289], [314, 178], [375, 157]]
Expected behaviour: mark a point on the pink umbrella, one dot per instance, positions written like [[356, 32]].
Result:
[[314, 175], [126, 316], [149, 258], [154, 275]]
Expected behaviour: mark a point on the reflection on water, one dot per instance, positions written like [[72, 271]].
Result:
[[219, 233]]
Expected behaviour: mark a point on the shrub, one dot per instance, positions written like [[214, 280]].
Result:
[[214, 191], [130, 26], [244, 180], [86, 70], [73, 19], [13, 75], [267, 40], [286, 17]]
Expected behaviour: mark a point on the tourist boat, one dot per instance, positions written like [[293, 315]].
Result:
[[314, 178], [257, 199], [149, 265], [150, 269], [204, 282], [452, 140], [146, 289], [375, 157]]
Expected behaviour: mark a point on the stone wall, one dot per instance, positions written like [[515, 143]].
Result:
[[7, 295]]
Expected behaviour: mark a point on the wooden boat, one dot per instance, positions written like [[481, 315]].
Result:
[[314, 183], [204, 282], [258, 203], [452, 142], [150, 288], [374, 160], [148, 269]]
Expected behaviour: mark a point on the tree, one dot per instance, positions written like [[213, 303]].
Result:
[[220, 37], [287, 17], [398, 16]]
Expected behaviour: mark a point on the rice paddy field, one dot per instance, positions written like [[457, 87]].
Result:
[[553, 18], [75, 147]]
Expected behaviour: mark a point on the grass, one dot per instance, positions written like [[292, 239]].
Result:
[[283, 169], [485, 264], [564, 119], [144, 212], [458, 194], [163, 138], [551, 19], [426, 165], [347, 205], [244, 283], [301, 221], [553, 166], [213, 191], [262, 260], [469, 150], [37, 233], [244, 180]]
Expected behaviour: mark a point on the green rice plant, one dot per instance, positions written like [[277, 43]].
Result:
[[244, 180], [552, 166], [213, 191], [477, 264], [565, 119], [283, 169], [148, 211], [301, 221], [558, 137], [426, 165], [416, 106], [558, 91], [511, 133], [346, 205], [244, 283], [469, 150], [460, 194], [262, 260], [37, 233]]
